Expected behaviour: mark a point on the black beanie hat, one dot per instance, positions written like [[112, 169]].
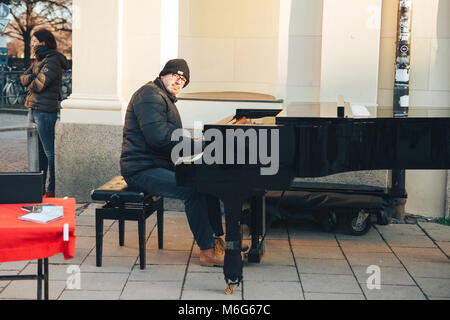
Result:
[[178, 66]]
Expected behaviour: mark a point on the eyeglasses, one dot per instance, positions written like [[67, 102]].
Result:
[[177, 78]]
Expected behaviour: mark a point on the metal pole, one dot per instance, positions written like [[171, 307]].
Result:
[[33, 151], [401, 93]]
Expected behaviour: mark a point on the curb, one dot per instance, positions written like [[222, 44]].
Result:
[[13, 111]]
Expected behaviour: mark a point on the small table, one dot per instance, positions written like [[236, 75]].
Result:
[[25, 240]]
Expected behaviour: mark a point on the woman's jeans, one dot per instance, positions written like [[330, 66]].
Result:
[[161, 182], [45, 122]]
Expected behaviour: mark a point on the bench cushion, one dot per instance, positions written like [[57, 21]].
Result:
[[117, 189]]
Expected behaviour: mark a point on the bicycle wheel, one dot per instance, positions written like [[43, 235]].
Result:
[[10, 96]]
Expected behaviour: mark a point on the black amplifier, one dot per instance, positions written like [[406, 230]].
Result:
[[21, 187]]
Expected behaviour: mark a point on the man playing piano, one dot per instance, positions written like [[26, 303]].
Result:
[[146, 163]]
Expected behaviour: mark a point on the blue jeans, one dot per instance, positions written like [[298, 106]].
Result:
[[161, 182], [45, 122]]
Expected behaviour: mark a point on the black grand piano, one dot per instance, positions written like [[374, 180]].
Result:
[[310, 140]]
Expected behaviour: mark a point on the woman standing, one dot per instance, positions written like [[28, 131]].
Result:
[[43, 80]]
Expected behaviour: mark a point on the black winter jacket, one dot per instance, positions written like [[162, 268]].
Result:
[[150, 119], [43, 80]]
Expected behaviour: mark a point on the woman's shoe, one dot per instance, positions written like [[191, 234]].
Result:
[[49, 194]]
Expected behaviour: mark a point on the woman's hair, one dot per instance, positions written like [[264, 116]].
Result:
[[47, 37]]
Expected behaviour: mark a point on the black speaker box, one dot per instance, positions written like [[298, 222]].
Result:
[[21, 187]]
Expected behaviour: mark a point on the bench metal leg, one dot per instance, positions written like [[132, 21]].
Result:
[[142, 238], [160, 221], [121, 232], [98, 238]]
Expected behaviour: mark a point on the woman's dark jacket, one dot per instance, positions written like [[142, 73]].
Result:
[[150, 120], [43, 80]]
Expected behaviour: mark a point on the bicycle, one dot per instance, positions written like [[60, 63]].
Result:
[[13, 91]]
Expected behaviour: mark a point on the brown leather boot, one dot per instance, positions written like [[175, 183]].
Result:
[[219, 244], [212, 257], [49, 194]]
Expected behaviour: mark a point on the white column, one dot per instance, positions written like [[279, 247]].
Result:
[[350, 50], [169, 30], [97, 59], [283, 47]]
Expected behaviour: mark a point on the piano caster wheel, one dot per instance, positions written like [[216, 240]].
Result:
[[358, 224], [230, 288], [328, 220]]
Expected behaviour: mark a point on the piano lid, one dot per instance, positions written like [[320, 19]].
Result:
[[322, 110]]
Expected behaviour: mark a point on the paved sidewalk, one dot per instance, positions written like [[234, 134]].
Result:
[[300, 262], [13, 144]]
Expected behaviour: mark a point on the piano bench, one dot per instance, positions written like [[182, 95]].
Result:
[[121, 203]]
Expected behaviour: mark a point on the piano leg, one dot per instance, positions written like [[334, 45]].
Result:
[[257, 229], [232, 267]]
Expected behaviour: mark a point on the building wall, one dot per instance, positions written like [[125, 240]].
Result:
[[230, 45]]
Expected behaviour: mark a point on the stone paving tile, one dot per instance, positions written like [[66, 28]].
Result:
[[445, 247], [112, 249], [120, 264], [394, 292], [388, 275], [323, 266], [359, 246], [104, 281], [80, 255], [439, 234], [27, 290], [204, 281], [13, 155], [13, 265], [194, 266], [277, 245], [85, 242], [89, 295], [87, 231], [400, 229], [156, 273], [56, 272], [263, 272], [435, 287], [318, 242], [371, 236], [279, 258], [419, 269], [162, 257], [318, 252], [279, 232], [333, 296], [326, 283], [183, 243], [381, 259], [200, 294], [310, 238], [4, 283], [151, 290], [272, 290], [90, 210], [424, 254], [410, 241]]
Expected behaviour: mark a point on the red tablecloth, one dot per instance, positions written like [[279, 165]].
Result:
[[25, 240]]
